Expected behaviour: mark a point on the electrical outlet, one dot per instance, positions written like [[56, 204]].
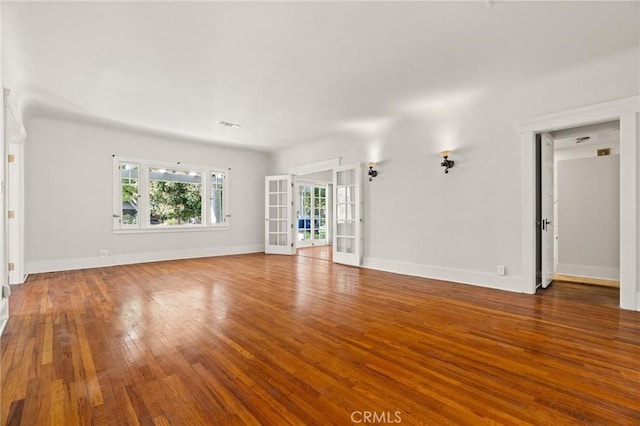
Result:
[[501, 269], [104, 253]]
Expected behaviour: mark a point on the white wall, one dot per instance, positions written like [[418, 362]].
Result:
[[589, 217], [586, 151], [577, 151], [637, 239], [68, 203], [462, 225]]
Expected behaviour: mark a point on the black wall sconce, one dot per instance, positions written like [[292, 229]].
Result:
[[372, 172], [446, 163]]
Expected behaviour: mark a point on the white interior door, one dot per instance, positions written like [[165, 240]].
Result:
[[547, 209], [279, 211], [347, 214]]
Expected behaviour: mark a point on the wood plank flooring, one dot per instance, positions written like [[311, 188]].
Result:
[[586, 280], [317, 252], [274, 340]]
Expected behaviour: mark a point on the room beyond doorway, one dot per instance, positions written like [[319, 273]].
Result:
[[311, 217], [584, 294]]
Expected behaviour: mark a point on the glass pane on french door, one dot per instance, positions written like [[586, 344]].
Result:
[[320, 214], [347, 215]]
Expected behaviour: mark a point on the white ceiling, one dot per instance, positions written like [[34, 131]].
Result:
[[598, 134], [288, 72]]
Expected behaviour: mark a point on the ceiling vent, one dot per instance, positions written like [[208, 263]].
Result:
[[227, 124]]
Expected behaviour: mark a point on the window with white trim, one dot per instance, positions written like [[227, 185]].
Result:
[[151, 195]]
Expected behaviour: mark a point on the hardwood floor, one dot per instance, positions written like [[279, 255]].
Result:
[[259, 339], [585, 280], [317, 252]]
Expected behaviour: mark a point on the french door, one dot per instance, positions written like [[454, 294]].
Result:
[[279, 213], [311, 221], [347, 214]]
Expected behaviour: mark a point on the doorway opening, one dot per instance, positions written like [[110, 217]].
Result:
[[313, 217], [578, 208], [626, 112]]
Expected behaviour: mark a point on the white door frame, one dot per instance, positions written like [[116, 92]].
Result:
[[319, 166], [14, 140], [546, 190], [626, 110], [312, 242]]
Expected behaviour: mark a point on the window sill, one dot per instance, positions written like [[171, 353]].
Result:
[[169, 230]]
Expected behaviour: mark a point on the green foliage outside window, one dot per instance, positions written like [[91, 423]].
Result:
[[175, 203]]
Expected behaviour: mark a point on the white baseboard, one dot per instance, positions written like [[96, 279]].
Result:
[[55, 265], [15, 281], [481, 279], [4, 313], [588, 271]]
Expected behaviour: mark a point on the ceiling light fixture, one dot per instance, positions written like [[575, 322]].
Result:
[[227, 124]]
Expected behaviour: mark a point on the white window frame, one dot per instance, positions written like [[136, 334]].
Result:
[[144, 223]]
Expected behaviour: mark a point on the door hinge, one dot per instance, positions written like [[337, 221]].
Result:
[[292, 245], [12, 266], [11, 158]]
